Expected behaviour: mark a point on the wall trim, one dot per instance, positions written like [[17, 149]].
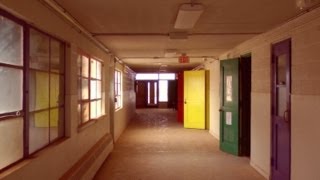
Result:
[[260, 170], [82, 167], [215, 135]]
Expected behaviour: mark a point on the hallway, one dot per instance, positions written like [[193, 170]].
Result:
[[156, 146]]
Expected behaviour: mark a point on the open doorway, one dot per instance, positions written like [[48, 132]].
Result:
[[156, 90], [245, 104]]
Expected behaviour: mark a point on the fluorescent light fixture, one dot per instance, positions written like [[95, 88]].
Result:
[[188, 15]]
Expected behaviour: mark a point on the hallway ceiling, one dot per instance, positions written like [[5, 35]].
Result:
[[138, 31]]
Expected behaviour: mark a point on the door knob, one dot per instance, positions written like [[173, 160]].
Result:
[[185, 101]]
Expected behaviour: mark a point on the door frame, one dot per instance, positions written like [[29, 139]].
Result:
[[273, 98]]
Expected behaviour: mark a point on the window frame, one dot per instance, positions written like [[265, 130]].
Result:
[[118, 89], [25, 68], [82, 101]]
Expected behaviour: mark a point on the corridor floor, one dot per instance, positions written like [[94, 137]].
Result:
[[156, 146]]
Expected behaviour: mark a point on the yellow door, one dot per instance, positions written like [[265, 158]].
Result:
[[194, 99]]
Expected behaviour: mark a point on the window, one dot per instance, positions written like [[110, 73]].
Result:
[[118, 89], [31, 116], [90, 96]]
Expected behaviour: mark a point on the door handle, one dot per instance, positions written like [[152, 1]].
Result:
[[220, 109], [285, 116], [185, 101]]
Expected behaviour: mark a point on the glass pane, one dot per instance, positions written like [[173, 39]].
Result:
[[163, 91], [85, 66], [115, 77], [56, 123], [281, 69], [11, 90], [11, 42], [38, 130], [79, 114], [148, 92], [79, 63], [99, 110], [11, 141], [39, 90], [147, 76], [167, 76], [93, 111], [54, 90], [85, 88], [85, 112], [99, 89], [155, 92], [99, 70], [93, 90], [57, 56], [281, 101], [39, 50], [93, 66]]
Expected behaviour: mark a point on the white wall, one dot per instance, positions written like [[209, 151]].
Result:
[[305, 34], [54, 161], [214, 68]]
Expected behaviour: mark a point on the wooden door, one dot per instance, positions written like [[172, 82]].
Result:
[[141, 94], [280, 111], [229, 106], [194, 99]]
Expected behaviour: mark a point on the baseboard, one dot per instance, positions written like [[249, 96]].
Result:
[[257, 168], [87, 166], [214, 135]]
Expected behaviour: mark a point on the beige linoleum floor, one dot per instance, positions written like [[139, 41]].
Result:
[[156, 146]]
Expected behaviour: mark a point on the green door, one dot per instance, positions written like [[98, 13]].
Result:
[[229, 106]]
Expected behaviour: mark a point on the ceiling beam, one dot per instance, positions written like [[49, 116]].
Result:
[[167, 34]]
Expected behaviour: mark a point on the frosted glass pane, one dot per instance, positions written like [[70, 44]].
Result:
[[147, 76], [57, 60], [167, 76], [99, 108], [281, 101], [98, 89], [85, 112], [38, 130], [93, 111], [11, 90], [93, 90], [93, 68], [163, 91], [56, 123], [281, 69], [39, 90], [85, 67], [85, 89], [54, 90], [11, 141], [39, 50], [99, 70], [11, 42]]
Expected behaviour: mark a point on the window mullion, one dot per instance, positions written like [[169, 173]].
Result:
[[26, 73]]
